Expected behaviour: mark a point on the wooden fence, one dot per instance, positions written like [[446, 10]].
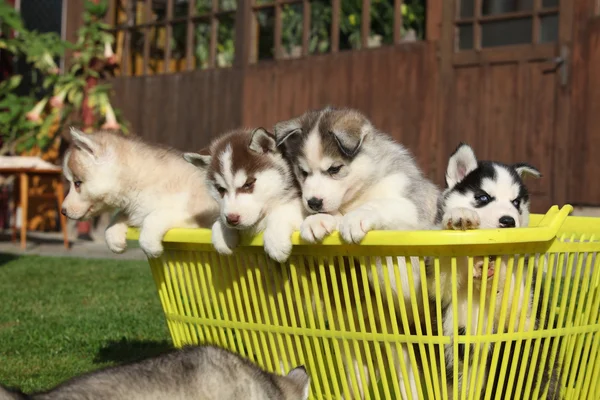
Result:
[[511, 103]]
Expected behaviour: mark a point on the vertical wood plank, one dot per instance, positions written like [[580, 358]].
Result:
[[168, 35], [305, 27], [147, 17], [244, 38], [476, 26], [335, 25], [535, 35], [190, 43], [398, 20], [365, 23], [434, 20], [214, 32], [277, 34]]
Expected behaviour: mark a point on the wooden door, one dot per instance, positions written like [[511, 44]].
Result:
[[504, 81]]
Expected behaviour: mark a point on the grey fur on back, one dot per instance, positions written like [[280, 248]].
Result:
[[394, 157], [198, 373]]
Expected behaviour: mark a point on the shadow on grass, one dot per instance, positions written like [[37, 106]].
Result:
[[126, 351], [5, 258]]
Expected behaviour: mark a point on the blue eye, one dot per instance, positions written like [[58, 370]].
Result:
[[516, 203], [483, 198]]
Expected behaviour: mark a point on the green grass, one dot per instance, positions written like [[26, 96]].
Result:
[[60, 317]]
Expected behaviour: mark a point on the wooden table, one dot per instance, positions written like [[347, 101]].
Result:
[[23, 195]]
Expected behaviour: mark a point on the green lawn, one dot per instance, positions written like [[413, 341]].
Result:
[[60, 317]]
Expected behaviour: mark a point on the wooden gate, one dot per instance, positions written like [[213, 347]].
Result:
[[505, 85]]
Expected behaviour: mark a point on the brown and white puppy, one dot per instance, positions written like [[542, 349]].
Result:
[[152, 188], [255, 189]]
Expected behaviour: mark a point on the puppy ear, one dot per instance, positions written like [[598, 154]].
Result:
[[262, 141], [461, 163], [198, 160], [349, 143], [286, 129], [83, 142], [301, 380], [282, 139], [524, 170]]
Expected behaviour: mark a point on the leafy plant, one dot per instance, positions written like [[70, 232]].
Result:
[[31, 123]]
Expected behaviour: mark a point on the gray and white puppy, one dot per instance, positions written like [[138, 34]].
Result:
[[346, 167], [192, 373], [355, 179]]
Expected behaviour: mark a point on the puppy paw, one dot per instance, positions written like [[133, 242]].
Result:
[[151, 246], [356, 224], [315, 227], [478, 267], [460, 219], [116, 238], [224, 240], [278, 244]]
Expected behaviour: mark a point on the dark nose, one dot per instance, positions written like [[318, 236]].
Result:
[[507, 222], [233, 219], [315, 204], [63, 211]]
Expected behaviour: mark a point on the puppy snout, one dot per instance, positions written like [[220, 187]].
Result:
[[315, 204], [63, 211], [232, 219], [507, 222]]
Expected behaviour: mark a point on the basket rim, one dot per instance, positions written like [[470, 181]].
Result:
[[544, 228]]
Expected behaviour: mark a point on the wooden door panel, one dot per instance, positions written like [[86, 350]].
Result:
[[506, 112]]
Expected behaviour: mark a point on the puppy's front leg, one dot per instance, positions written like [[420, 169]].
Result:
[[384, 214], [152, 232], [315, 227], [224, 239], [116, 233], [281, 224]]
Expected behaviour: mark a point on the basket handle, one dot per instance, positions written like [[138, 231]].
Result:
[[554, 219]]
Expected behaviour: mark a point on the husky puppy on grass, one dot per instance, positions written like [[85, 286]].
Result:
[[192, 373]]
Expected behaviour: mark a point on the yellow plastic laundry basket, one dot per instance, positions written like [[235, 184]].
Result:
[[370, 320]]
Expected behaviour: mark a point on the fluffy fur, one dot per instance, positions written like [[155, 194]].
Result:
[[152, 188], [255, 190], [355, 179], [347, 168], [484, 194], [193, 373]]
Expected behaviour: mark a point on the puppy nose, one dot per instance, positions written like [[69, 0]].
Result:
[[315, 204], [63, 211], [233, 219], [507, 222]]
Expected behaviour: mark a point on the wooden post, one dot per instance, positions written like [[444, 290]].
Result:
[[243, 33], [24, 182]]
